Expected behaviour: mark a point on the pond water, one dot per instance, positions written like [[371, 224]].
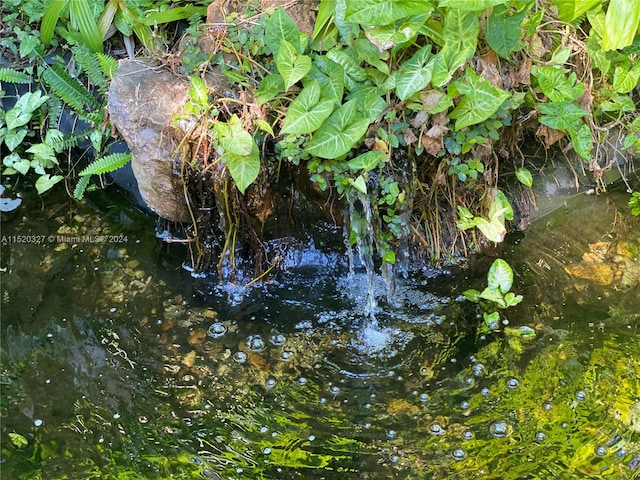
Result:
[[118, 364]]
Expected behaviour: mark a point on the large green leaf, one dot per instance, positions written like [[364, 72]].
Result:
[[385, 37], [372, 13], [367, 161], [349, 64], [556, 86], [46, 181], [582, 141], [561, 115], [307, 112], [233, 137], [50, 19], [621, 24], [281, 26], [569, 10], [244, 169], [460, 35], [500, 276], [415, 74], [471, 5], [626, 79], [83, 17], [480, 100], [330, 76], [339, 133], [270, 87], [291, 65], [504, 29]]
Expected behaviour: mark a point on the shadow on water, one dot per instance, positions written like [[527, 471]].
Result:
[[116, 363]]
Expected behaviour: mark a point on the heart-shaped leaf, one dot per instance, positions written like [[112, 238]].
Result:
[[307, 112], [244, 169], [291, 65]]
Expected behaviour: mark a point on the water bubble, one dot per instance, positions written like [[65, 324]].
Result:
[[311, 438], [277, 339], [500, 429], [217, 329], [286, 355], [255, 343], [367, 425], [302, 381], [367, 406], [116, 416], [601, 450], [436, 429], [335, 390], [485, 392], [468, 435], [464, 405], [270, 383], [423, 397], [541, 436], [512, 383], [581, 395], [395, 458], [548, 406], [37, 422], [266, 450], [478, 369], [391, 434], [458, 454], [240, 357], [264, 429]]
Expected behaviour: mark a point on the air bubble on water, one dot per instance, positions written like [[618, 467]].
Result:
[[423, 397], [548, 406], [468, 435], [512, 383], [255, 343], [458, 454], [367, 406], [240, 357], [391, 434], [499, 429], [302, 381], [266, 450], [112, 310], [541, 436], [581, 395], [601, 450], [436, 429], [367, 425], [116, 416], [217, 329], [37, 422], [478, 369], [264, 429], [464, 405], [277, 339], [485, 392], [311, 438], [335, 390], [270, 383], [395, 458], [323, 400]]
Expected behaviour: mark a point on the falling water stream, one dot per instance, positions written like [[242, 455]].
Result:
[[119, 364]]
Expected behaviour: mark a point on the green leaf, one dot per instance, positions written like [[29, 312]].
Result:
[[493, 295], [264, 126], [234, 138], [460, 35], [569, 10], [385, 37], [23, 109], [46, 181], [270, 87], [106, 164], [413, 76], [373, 13], [500, 276], [13, 138], [28, 44], [369, 53], [50, 19], [480, 100], [292, 66], [367, 161], [330, 76], [198, 92], [504, 29], [339, 133], [472, 295], [83, 17], [524, 176], [326, 9], [625, 79], [279, 27], [493, 229], [561, 115], [244, 169], [349, 64], [359, 184], [500, 207], [81, 187], [307, 112], [621, 24], [43, 154], [556, 86], [10, 75], [470, 5], [18, 440], [582, 141], [512, 299]]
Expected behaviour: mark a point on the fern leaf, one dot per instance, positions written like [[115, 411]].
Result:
[[54, 111], [10, 75], [90, 66], [105, 164], [69, 89], [81, 187], [108, 64]]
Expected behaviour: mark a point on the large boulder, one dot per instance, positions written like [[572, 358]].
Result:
[[143, 100]]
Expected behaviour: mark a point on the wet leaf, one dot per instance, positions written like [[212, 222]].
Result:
[[18, 440], [500, 276], [524, 176], [244, 169]]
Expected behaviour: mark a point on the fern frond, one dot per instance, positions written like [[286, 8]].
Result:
[[105, 164], [10, 75], [54, 111], [90, 66], [69, 89], [81, 187], [108, 64]]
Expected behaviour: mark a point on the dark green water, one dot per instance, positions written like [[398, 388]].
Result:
[[117, 364]]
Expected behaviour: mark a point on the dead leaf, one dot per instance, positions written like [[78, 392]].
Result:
[[549, 135], [488, 68]]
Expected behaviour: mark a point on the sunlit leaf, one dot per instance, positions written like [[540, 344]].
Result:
[[330, 76], [234, 138], [626, 79], [493, 229], [569, 10], [480, 100], [244, 169], [339, 133], [18, 440], [556, 86], [46, 181], [414, 74], [367, 161], [291, 65], [82, 15], [307, 112], [50, 19], [621, 24], [280, 26], [382, 12], [500, 276], [471, 5], [524, 176], [359, 184]]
